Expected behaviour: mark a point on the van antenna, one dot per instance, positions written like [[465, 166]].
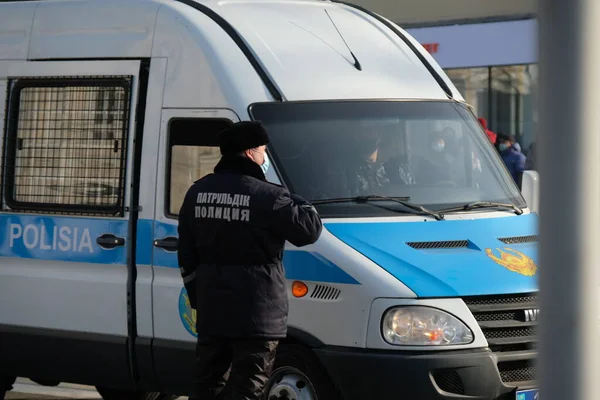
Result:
[[356, 62]]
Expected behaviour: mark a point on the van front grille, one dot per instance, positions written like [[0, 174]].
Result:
[[520, 299], [517, 371], [509, 324], [449, 381]]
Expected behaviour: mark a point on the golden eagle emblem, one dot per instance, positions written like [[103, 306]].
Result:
[[187, 313], [513, 260]]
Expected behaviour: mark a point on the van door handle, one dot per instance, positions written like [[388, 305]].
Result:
[[110, 241], [168, 243]]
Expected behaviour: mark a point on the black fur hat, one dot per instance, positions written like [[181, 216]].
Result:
[[242, 136]]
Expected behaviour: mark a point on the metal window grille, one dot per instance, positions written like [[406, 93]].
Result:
[[67, 145]]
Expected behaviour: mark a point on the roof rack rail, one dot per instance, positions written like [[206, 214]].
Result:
[[384, 21], [235, 36]]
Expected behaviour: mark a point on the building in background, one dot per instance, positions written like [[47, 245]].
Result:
[[493, 65], [487, 47]]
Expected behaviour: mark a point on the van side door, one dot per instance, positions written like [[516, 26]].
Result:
[[188, 151]]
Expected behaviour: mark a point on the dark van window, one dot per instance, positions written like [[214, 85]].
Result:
[[432, 152]]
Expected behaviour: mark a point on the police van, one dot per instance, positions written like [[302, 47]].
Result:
[[423, 284]]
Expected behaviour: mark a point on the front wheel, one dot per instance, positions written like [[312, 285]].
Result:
[[114, 394], [297, 375]]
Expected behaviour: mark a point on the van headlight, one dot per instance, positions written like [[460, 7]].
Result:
[[423, 326]]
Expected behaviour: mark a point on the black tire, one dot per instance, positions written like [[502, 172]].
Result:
[[297, 359], [114, 394]]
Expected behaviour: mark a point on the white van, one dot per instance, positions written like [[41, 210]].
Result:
[[422, 289]]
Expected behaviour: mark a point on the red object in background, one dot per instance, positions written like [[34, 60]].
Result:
[[431, 47], [491, 135]]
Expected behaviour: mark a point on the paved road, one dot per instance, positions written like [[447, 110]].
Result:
[[25, 389]]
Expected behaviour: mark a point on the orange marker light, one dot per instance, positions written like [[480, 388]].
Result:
[[433, 335], [299, 289]]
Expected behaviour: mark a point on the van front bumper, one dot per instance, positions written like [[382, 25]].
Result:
[[362, 374]]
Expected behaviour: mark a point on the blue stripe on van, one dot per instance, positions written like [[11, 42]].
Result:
[[164, 258], [60, 238], [74, 239], [311, 266], [299, 264]]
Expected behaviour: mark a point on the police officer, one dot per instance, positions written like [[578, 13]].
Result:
[[232, 228]]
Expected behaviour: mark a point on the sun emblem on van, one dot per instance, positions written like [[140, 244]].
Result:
[[513, 260], [187, 313]]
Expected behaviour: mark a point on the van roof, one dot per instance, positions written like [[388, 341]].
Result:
[[309, 50], [310, 45]]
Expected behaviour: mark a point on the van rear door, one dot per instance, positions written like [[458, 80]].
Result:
[[65, 240]]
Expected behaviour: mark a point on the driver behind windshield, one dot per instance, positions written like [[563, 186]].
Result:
[[374, 174], [361, 171]]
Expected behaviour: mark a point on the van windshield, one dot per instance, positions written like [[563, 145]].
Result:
[[431, 152]]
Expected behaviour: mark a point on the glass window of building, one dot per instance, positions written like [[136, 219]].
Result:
[[473, 84], [505, 96], [512, 101]]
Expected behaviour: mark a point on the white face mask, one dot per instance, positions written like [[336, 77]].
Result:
[[266, 163], [438, 146]]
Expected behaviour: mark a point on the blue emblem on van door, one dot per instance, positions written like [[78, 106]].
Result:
[[187, 313]]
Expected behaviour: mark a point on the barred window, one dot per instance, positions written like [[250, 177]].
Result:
[[193, 153], [67, 145]]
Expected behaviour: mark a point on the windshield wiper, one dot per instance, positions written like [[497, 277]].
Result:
[[484, 204], [400, 200]]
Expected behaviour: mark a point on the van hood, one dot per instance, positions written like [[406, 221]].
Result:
[[451, 258]]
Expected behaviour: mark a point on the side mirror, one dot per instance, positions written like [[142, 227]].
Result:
[[530, 188]]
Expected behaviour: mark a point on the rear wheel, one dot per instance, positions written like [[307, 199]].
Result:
[[114, 394], [297, 375]]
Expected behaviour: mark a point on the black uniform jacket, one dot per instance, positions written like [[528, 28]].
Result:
[[232, 228]]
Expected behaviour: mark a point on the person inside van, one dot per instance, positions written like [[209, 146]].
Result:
[[437, 164], [512, 156], [370, 171], [372, 174], [358, 169]]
